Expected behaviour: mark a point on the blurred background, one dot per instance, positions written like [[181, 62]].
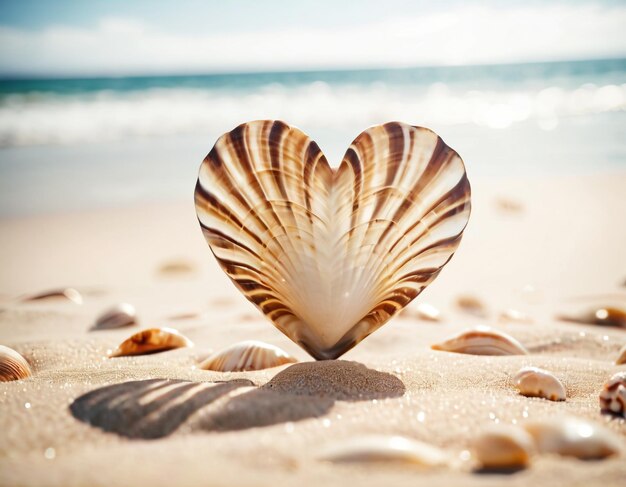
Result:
[[114, 103]]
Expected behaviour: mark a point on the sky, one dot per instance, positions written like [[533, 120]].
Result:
[[116, 38]]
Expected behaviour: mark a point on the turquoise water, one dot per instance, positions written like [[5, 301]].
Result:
[[87, 143]]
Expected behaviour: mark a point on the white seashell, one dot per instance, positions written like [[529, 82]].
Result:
[[118, 316], [482, 340], [503, 447], [151, 340], [385, 449], [573, 437], [536, 382], [248, 355], [621, 358], [68, 293], [472, 305], [613, 395], [427, 312], [514, 316], [331, 255], [12, 365]]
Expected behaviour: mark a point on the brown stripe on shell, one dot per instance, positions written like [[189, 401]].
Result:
[[12, 365]]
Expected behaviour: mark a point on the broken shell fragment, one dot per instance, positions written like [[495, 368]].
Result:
[[427, 312], [536, 382], [573, 437], [12, 365], [248, 355], [621, 358], [503, 447], [151, 340], [613, 395], [471, 305], [385, 449], [482, 340], [68, 293], [118, 316], [602, 316]]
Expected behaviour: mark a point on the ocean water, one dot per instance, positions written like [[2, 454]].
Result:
[[73, 144]]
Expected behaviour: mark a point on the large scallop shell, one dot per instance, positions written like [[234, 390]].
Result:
[[331, 255], [12, 365]]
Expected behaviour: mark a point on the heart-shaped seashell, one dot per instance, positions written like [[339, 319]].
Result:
[[482, 340], [248, 355], [536, 382], [329, 255], [12, 365], [151, 340], [117, 316], [613, 395], [503, 447]]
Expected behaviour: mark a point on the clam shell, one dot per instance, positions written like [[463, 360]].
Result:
[[602, 316], [68, 293], [573, 437], [503, 447], [248, 355], [151, 340], [613, 395], [482, 340], [385, 449], [331, 255], [472, 305], [12, 365], [536, 382], [118, 316], [621, 357]]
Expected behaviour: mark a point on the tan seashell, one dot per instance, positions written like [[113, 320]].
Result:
[[472, 305], [385, 449], [503, 447], [427, 312], [482, 340], [621, 357], [331, 255], [509, 205], [118, 316], [68, 293], [573, 437], [602, 316], [613, 395], [536, 382], [151, 340], [248, 355], [176, 267], [12, 365]]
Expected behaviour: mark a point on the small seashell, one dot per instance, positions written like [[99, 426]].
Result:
[[613, 395], [427, 312], [514, 316], [176, 267], [621, 358], [151, 340], [602, 316], [536, 382], [482, 340], [509, 205], [573, 437], [385, 449], [472, 305], [118, 316], [503, 447], [12, 365], [248, 355], [68, 293]]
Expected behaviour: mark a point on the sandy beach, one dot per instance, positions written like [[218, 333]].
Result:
[[543, 247]]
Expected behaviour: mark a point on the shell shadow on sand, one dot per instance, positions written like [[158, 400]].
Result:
[[155, 408]]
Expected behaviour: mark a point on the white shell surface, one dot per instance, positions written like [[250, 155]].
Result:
[[503, 447], [536, 382], [428, 312], [117, 316], [248, 355], [330, 255], [573, 437], [482, 340], [385, 449], [613, 395]]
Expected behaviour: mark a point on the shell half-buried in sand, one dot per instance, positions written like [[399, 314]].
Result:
[[613, 395], [602, 316], [385, 449], [151, 340], [503, 447], [12, 365], [482, 340], [248, 355], [536, 382], [330, 255], [68, 294], [117, 316]]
